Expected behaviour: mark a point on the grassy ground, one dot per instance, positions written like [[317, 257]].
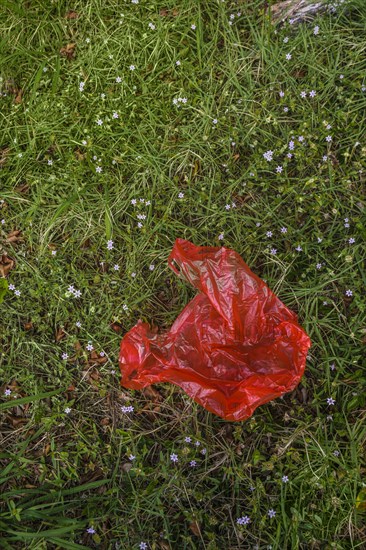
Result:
[[77, 472]]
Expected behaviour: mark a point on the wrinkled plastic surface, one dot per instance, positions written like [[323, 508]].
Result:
[[234, 347]]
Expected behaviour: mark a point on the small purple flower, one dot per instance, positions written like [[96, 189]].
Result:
[[65, 356], [174, 457], [132, 457], [143, 546], [336, 453], [110, 244], [312, 93], [90, 530], [303, 94], [349, 292], [330, 401], [351, 240], [282, 94], [90, 347], [193, 463], [288, 56], [271, 513], [332, 366], [279, 169], [244, 520], [188, 439], [283, 229], [7, 392], [291, 145], [268, 155], [269, 234], [298, 248], [127, 409], [284, 479], [328, 139], [273, 251]]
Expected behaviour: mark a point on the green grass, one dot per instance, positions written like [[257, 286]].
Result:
[[62, 473]]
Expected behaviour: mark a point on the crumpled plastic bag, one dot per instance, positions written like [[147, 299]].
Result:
[[233, 347]]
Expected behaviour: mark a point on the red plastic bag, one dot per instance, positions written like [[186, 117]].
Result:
[[234, 347]]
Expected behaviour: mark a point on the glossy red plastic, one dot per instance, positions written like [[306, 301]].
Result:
[[233, 347]]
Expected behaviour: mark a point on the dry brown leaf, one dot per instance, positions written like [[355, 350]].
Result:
[[104, 422], [4, 153], [94, 375], [165, 12], [71, 15], [96, 358], [68, 51], [79, 155], [195, 528], [116, 327], [151, 393], [77, 345], [22, 188], [19, 97], [16, 421], [6, 265], [28, 325], [14, 236], [60, 333], [126, 467]]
